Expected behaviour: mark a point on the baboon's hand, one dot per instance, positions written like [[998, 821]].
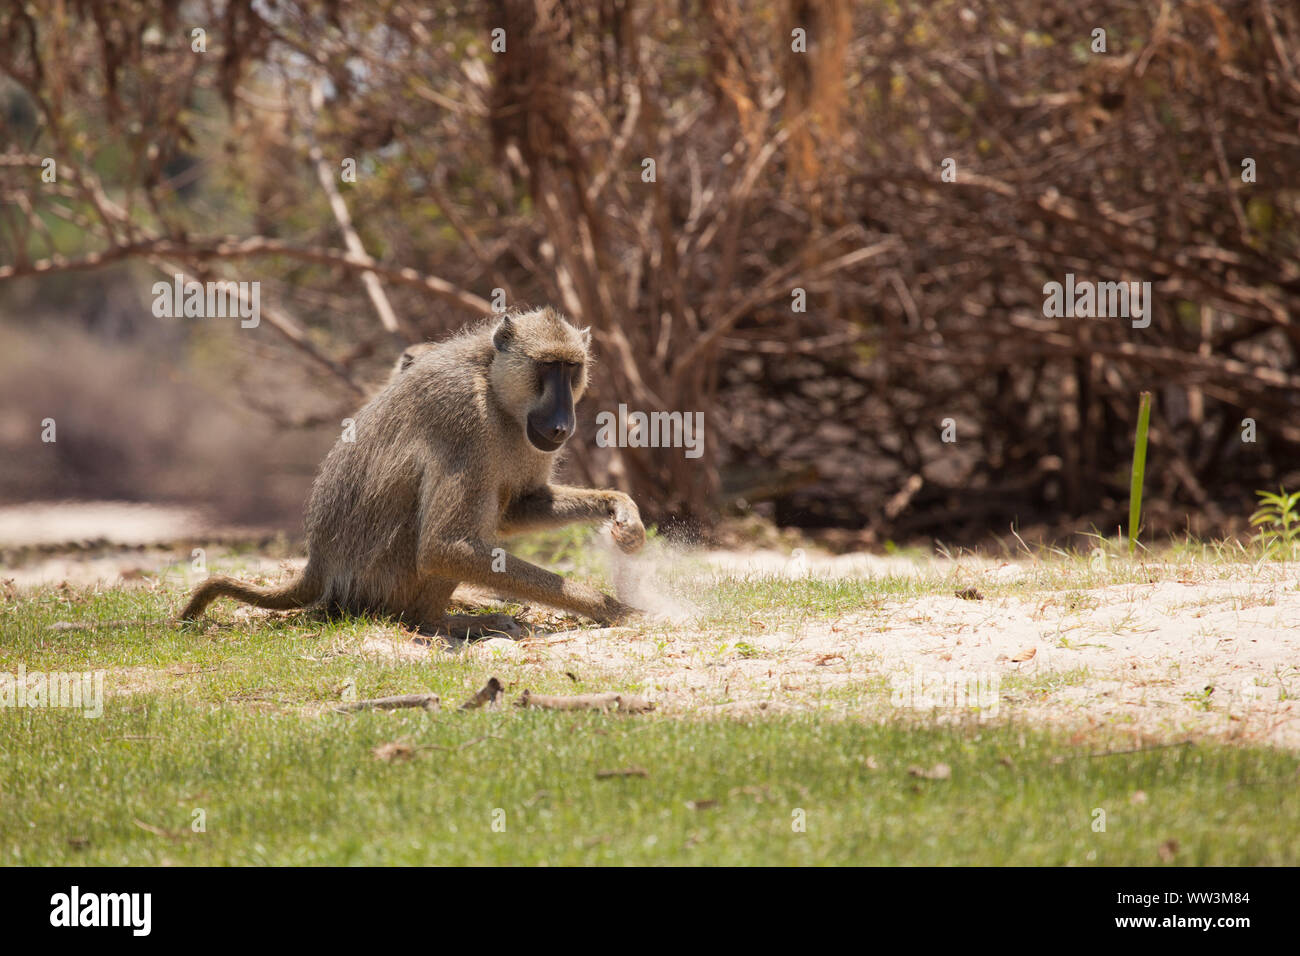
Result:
[[625, 523]]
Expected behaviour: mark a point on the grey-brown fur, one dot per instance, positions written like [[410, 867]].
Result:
[[408, 357], [442, 467]]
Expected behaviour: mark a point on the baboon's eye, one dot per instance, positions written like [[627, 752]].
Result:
[[545, 371]]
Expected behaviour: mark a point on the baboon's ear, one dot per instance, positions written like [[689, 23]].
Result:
[[406, 360], [504, 334], [586, 337]]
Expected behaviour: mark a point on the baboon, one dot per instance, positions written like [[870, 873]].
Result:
[[408, 357], [455, 451]]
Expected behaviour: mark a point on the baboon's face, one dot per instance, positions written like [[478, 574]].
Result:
[[540, 372], [550, 421]]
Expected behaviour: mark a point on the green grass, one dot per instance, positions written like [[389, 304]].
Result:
[[234, 719], [290, 789]]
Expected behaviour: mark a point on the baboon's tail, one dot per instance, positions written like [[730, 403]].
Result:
[[300, 592]]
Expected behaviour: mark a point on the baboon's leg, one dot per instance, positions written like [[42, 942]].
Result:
[[472, 561], [424, 601], [554, 505]]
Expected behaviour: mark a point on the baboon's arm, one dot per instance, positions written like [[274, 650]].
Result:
[[472, 562], [551, 506]]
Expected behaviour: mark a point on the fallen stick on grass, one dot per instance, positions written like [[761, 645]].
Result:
[[158, 831], [625, 772], [628, 703], [488, 694], [427, 701]]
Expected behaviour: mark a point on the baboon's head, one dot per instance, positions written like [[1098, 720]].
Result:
[[538, 372]]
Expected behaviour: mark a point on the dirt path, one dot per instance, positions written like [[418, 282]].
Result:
[[123, 523]]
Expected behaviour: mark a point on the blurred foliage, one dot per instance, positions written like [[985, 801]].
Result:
[[777, 168]]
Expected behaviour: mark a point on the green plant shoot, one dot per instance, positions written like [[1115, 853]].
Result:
[[1139, 471]]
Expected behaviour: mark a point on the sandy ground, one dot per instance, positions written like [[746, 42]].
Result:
[[1195, 652], [1216, 657], [68, 521]]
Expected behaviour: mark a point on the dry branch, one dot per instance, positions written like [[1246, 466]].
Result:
[[235, 247], [488, 695], [423, 701], [626, 703]]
